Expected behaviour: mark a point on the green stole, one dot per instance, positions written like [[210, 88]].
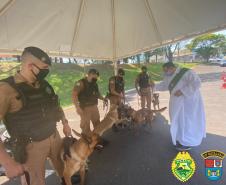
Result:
[[177, 78]]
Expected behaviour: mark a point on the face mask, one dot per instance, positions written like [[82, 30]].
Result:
[[42, 74], [168, 73], [94, 80]]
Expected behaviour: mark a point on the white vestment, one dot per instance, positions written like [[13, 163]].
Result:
[[187, 115]]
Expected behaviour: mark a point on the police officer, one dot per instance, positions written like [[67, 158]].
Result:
[[85, 97], [143, 85], [30, 110], [117, 88]]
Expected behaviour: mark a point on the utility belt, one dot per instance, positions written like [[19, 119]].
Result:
[[83, 106], [145, 91], [18, 146]]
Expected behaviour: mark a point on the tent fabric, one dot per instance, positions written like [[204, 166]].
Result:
[[105, 29]]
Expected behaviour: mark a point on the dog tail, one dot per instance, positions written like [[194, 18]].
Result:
[[160, 110], [67, 143]]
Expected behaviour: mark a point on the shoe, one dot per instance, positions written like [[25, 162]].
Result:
[[183, 148], [102, 143], [75, 179]]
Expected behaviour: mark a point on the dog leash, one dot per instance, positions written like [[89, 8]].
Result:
[[105, 106], [138, 101]]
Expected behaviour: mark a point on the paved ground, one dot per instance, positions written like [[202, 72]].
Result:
[[144, 157]]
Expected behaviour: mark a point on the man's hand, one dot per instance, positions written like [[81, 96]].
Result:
[[178, 93], [79, 110], [13, 169], [152, 84], [66, 128]]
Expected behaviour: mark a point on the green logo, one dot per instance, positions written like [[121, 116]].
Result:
[[183, 166]]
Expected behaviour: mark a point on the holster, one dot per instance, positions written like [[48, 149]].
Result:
[[18, 148]]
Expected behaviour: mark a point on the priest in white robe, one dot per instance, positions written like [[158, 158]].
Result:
[[186, 109]]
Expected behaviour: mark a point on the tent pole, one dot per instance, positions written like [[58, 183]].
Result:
[[115, 62], [6, 7], [114, 37]]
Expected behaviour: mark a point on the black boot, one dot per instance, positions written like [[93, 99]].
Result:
[[75, 180]]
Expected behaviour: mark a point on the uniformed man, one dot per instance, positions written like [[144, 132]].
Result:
[[143, 85], [30, 110], [116, 88], [85, 97]]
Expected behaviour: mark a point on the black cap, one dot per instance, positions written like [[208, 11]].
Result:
[[93, 71], [168, 65], [121, 72], [38, 53], [144, 68]]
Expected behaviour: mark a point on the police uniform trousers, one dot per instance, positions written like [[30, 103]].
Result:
[[38, 152], [145, 97], [90, 114]]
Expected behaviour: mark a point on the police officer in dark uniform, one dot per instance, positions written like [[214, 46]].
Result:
[[85, 97], [143, 85], [30, 110], [117, 88]]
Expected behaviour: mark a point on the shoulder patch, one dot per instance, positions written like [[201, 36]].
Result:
[[78, 84]]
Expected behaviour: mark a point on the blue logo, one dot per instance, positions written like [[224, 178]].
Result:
[[213, 164]]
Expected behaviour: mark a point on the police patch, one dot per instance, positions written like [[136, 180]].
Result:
[[213, 164], [78, 84], [48, 90]]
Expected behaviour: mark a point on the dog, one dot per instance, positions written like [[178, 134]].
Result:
[[75, 152], [129, 116], [155, 100]]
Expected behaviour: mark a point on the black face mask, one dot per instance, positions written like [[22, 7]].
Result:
[[94, 80], [42, 74]]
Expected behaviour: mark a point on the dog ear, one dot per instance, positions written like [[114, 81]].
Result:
[[76, 133]]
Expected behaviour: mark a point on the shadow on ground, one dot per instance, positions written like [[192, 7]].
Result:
[[143, 157]]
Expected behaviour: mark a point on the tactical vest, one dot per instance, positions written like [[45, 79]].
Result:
[[119, 84], [89, 94], [144, 80], [37, 118]]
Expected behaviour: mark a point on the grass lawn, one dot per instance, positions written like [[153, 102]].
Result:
[[63, 76]]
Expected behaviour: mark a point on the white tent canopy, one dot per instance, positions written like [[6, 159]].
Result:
[[105, 29]]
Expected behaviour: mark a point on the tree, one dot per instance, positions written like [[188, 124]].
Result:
[[157, 52], [170, 50], [147, 56], [207, 45]]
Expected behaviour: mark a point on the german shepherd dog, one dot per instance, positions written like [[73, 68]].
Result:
[[75, 152], [131, 117]]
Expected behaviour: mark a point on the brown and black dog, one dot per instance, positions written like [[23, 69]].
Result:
[[75, 152], [135, 117]]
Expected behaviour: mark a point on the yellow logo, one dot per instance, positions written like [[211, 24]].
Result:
[[183, 166]]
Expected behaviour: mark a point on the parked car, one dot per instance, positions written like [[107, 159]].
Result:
[[223, 63]]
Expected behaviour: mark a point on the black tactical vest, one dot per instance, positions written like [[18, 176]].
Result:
[[38, 116], [143, 80], [89, 94], [119, 84]]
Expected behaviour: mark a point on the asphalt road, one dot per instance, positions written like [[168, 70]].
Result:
[[143, 156]]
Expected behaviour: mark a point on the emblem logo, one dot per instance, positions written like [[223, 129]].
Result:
[[213, 164], [183, 166]]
